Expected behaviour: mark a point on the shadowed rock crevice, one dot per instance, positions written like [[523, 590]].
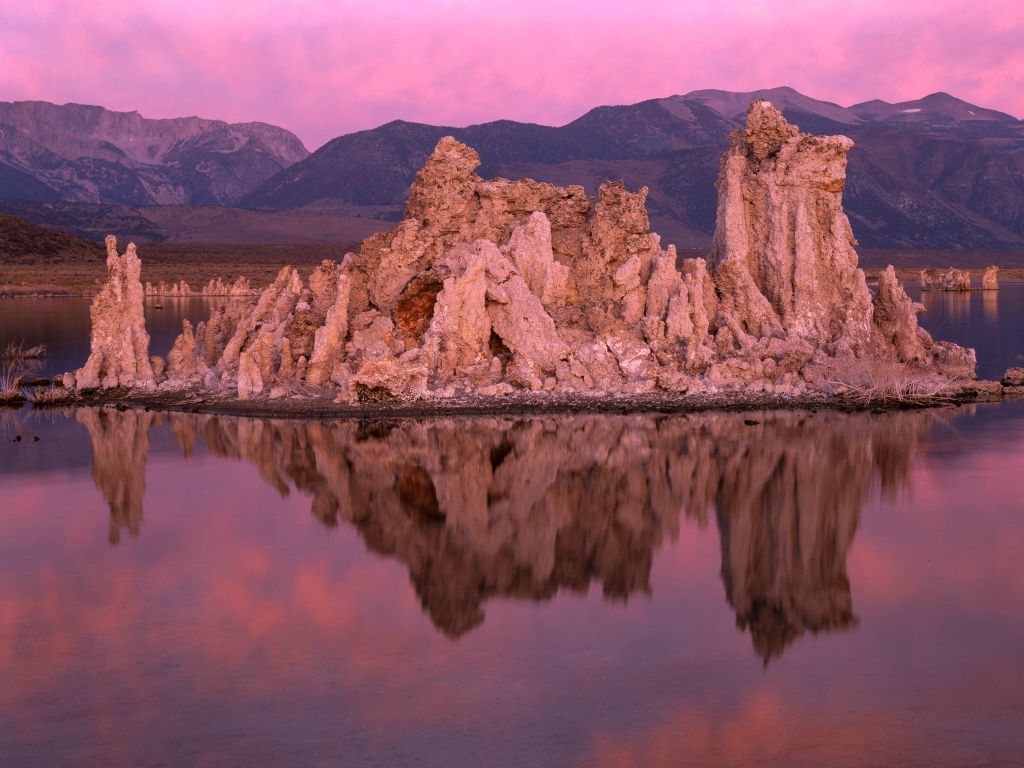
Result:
[[415, 309]]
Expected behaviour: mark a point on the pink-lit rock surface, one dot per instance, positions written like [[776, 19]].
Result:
[[489, 287]]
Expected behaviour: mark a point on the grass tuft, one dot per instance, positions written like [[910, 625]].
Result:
[[41, 397], [888, 381], [17, 362]]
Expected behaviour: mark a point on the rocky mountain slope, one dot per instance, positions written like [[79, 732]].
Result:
[[197, 223], [75, 152], [933, 173]]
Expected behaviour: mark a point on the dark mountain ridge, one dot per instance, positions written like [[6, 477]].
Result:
[[935, 172], [23, 242], [77, 152]]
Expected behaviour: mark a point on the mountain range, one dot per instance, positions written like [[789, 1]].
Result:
[[933, 173], [79, 153]]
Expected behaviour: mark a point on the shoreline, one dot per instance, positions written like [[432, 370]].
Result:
[[312, 408]]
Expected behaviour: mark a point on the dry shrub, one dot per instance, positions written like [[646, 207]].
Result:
[[41, 397], [38, 352], [17, 362], [296, 388], [367, 394], [11, 396], [868, 381]]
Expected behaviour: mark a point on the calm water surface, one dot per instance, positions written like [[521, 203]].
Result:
[[774, 588], [62, 324]]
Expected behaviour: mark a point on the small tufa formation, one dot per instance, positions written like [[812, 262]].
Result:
[[952, 279], [990, 279], [119, 343], [489, 287], [179, 290], [214, 288], [896, 332], [183, 359]]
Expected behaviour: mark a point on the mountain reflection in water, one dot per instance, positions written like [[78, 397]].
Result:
[[522, 507]]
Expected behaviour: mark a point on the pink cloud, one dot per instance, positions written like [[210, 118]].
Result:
[[325, 68]]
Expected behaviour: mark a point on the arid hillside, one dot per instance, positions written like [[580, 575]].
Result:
[[24, 243]]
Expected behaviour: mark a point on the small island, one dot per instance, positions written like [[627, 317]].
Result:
[[495, 294]]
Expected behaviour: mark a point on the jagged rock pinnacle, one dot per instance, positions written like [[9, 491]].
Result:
[[766, 130]]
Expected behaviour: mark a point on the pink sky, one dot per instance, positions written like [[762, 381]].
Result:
[[324, 68]]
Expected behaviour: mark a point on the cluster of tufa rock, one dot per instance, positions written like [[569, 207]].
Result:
[[489, 287], [954, 279]]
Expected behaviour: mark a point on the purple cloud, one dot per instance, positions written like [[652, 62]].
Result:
[[325, 68]]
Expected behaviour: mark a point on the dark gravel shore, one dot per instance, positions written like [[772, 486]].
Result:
[[200, 401]]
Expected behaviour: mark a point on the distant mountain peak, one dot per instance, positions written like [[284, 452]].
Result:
[[939, 106], [733, 104], [87, 153]]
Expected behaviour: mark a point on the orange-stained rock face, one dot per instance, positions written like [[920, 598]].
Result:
[[415, 308], [580, 297]]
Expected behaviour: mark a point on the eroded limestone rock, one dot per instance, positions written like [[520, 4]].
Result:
[[952, 279], [183, 359], [783, 255], [329, 340], [895, 320], [119, 342], [895, 326], [529, 248], [458, 338], [1014, 377]]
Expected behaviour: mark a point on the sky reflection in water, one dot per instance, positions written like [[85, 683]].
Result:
[[811, 588]]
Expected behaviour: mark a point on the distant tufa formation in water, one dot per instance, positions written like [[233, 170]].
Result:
[[954, 279], [491, 287], [215, 288]]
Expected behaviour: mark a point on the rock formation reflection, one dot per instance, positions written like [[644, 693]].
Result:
[[953, 304], [990, 306], [120, 446], [525, 506]]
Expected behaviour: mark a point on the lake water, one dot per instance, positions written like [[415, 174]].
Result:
[[62, 324], [772, 588]]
